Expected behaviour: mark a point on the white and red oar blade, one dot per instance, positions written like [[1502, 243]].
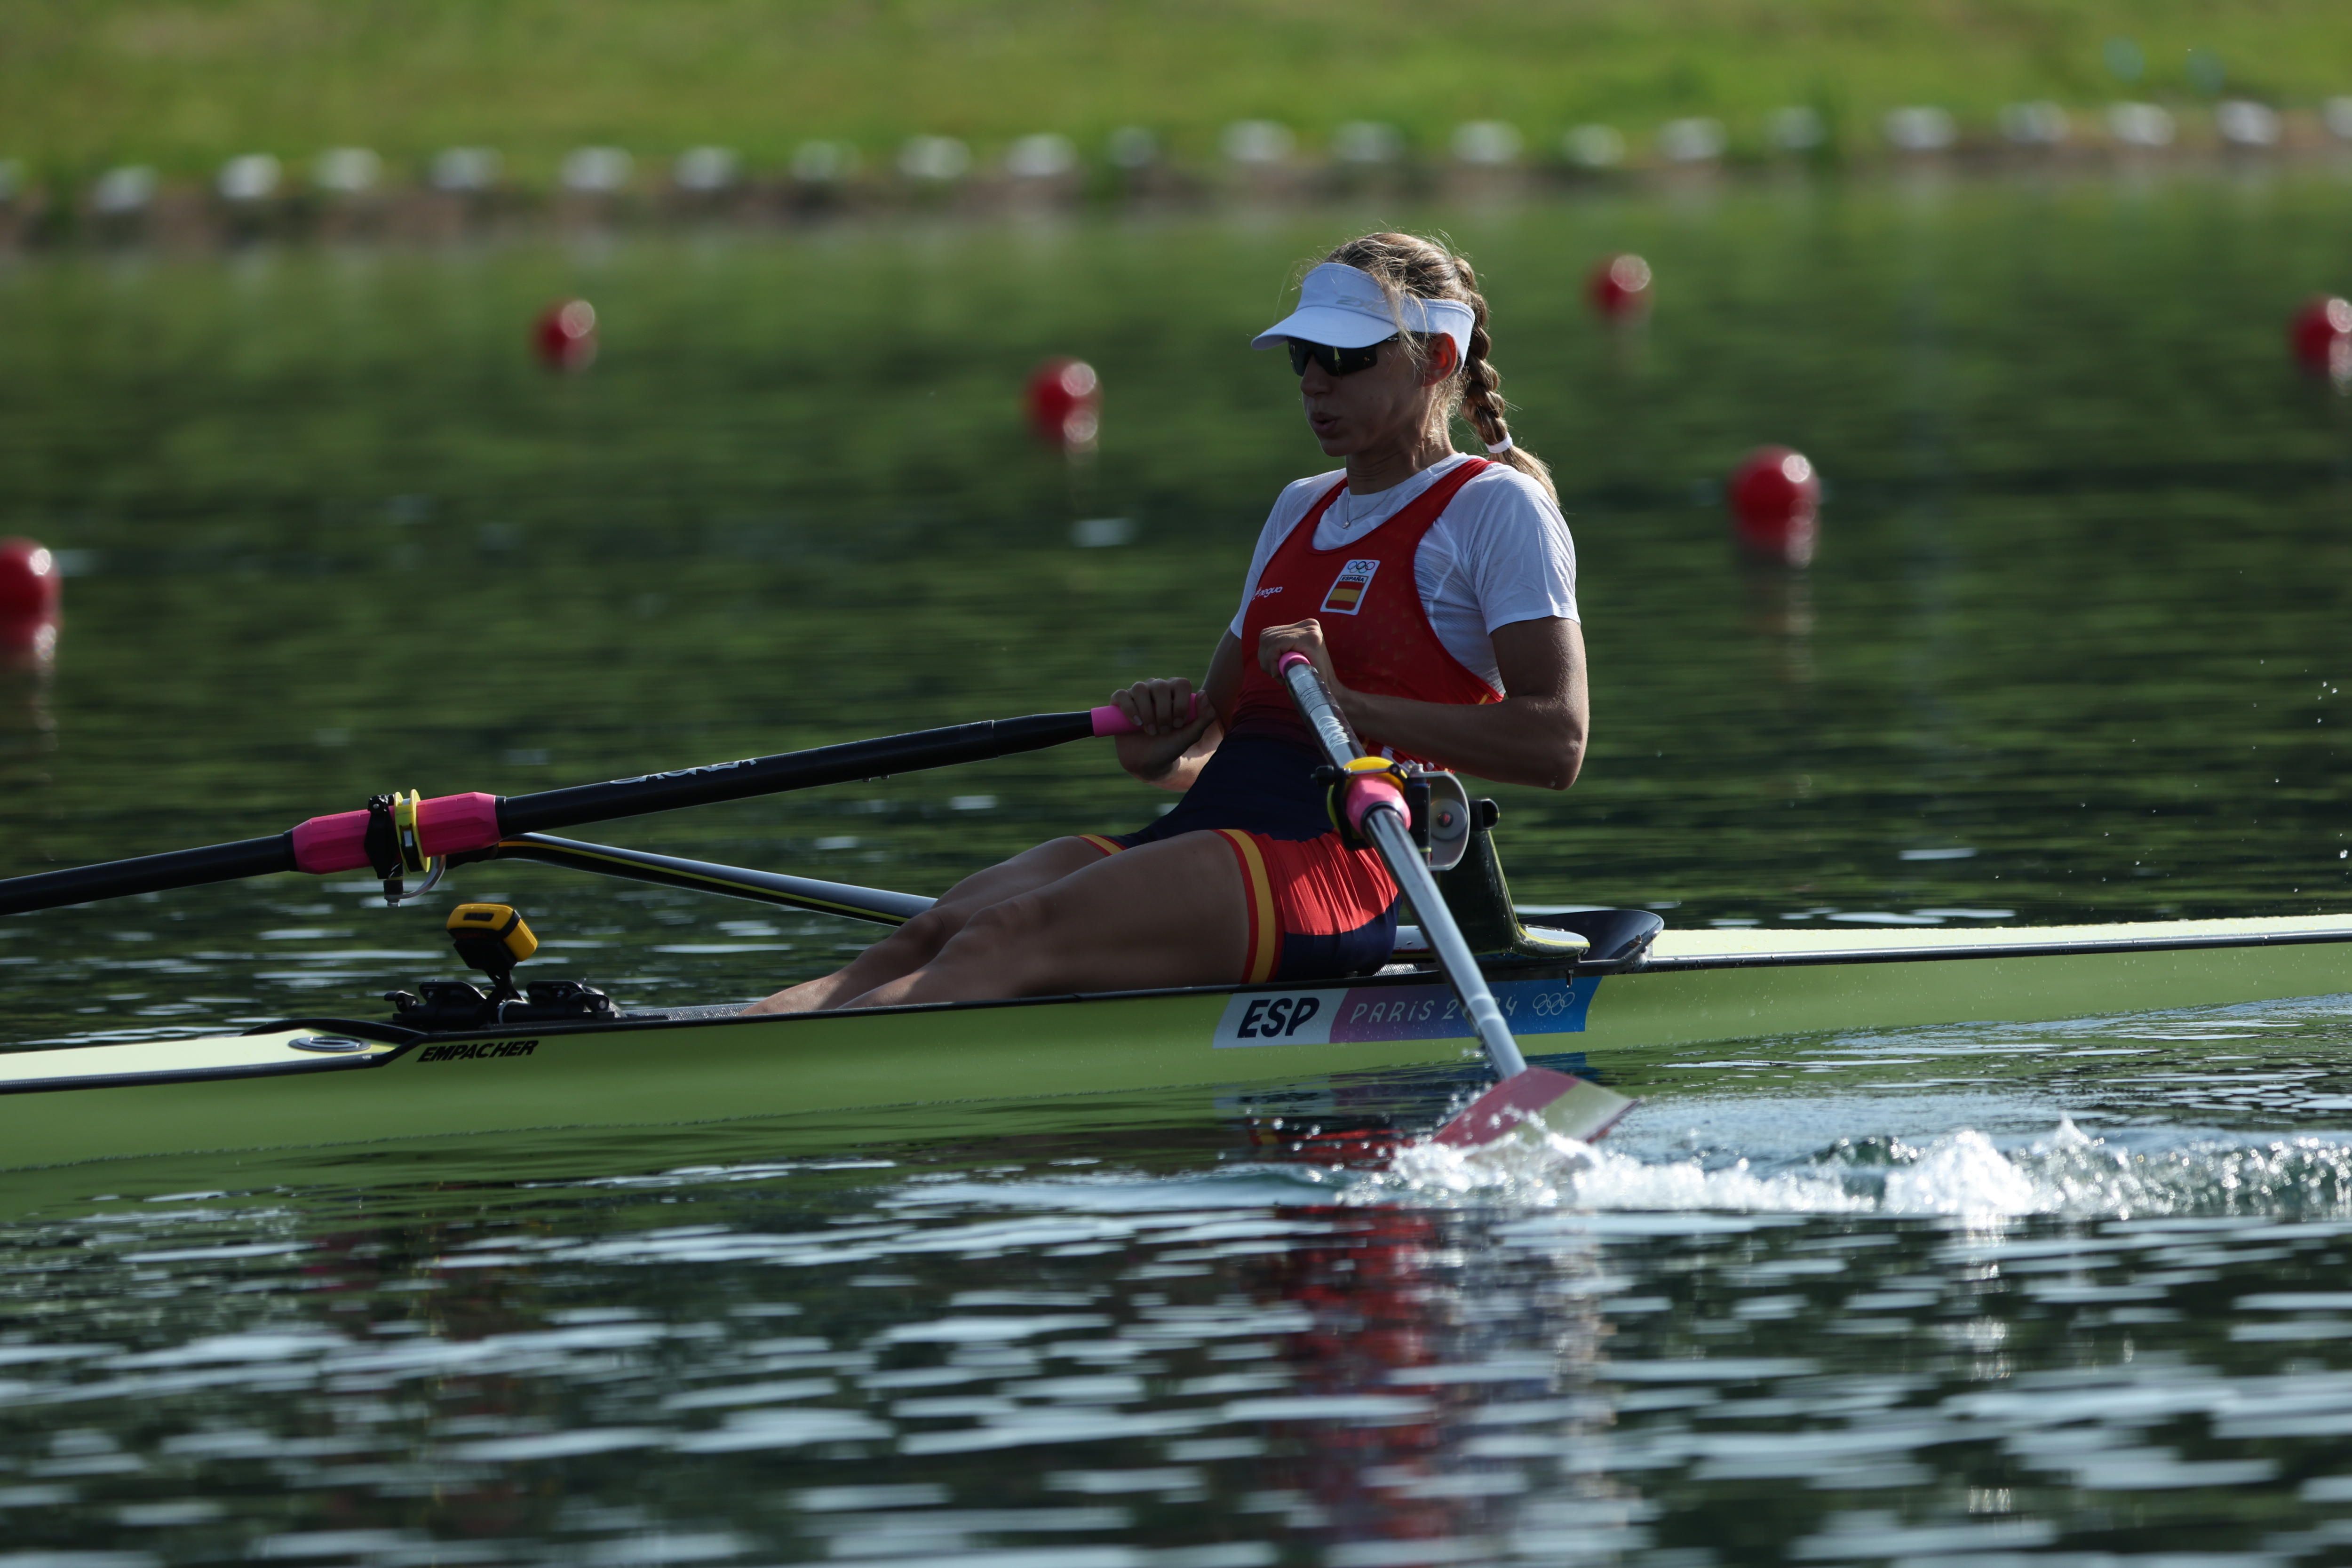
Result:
[[1533, 1103]]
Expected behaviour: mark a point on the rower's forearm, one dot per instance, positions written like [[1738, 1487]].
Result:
[[1520, 739], [1178, 777], [1148, 759], [1176, 774]]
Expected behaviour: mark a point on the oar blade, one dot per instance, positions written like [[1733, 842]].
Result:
[[1528, 1105]]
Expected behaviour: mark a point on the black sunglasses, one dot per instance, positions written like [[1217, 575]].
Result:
[[1335, 361]]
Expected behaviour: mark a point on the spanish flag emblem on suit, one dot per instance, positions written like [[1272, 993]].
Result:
[[1347, 594]]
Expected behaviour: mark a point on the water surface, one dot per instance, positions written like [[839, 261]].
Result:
[[2088, 1310], [2069, 1295]]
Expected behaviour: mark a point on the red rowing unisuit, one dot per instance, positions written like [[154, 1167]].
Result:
[[1314, 908], [1370, 606]]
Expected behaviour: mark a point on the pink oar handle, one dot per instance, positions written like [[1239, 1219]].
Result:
[[1109, 721], [445, 825]]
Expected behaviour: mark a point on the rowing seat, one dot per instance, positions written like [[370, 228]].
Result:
[[1480, 898]]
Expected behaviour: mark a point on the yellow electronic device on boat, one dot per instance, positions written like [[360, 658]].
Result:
[[491, 938]]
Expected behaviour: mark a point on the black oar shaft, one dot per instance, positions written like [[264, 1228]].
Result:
[[148, 874], [574, 807], [958, 743]]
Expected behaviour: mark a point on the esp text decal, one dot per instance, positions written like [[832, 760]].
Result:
[[1333, 1017]]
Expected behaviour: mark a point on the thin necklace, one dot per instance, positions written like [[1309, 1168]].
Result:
[[1346, 506]]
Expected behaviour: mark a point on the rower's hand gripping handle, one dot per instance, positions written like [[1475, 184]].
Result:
[[1111, 720]]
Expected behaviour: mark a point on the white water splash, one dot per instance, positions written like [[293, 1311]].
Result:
[[1562, 1172], [1961, 1175]]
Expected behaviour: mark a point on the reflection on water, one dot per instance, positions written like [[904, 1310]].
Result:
[[1756, 1327], [1919, 1296]]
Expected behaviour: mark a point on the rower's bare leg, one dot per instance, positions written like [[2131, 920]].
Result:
[[1168, 913], [919, 942]]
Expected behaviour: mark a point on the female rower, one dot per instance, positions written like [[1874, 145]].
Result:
[[1437, 593]]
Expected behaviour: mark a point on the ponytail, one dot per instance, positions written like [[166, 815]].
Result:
[[1481, 394]]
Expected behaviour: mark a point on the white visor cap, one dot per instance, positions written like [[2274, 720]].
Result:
[[1343, 308]]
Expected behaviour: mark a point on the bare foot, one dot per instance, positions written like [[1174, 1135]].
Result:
[[808, 996]]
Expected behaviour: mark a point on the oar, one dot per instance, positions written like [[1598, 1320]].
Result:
[[879, 905], [1527, 1100], [399, 833]]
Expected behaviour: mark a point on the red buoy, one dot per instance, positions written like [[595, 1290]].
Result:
[[565, 335], [1776, 500], [2321, 336], [32, 593], [30, 588], [1065, 399], [1620, 286]]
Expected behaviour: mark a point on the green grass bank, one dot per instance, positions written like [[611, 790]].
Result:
[[183, 84]]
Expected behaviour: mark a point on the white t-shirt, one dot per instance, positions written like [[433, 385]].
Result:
[[1500, 554]]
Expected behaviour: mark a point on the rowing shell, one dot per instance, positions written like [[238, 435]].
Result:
[[330, 1081]]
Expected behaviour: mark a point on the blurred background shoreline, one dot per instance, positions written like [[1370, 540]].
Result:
[[128, 121]]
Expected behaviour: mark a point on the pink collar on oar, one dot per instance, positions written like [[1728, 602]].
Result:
[[445, 825]]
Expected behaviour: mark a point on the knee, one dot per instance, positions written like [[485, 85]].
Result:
[[927, 932], [1001, 931]]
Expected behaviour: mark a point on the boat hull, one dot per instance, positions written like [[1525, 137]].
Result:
[[262, 1091], [687, 1071]]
